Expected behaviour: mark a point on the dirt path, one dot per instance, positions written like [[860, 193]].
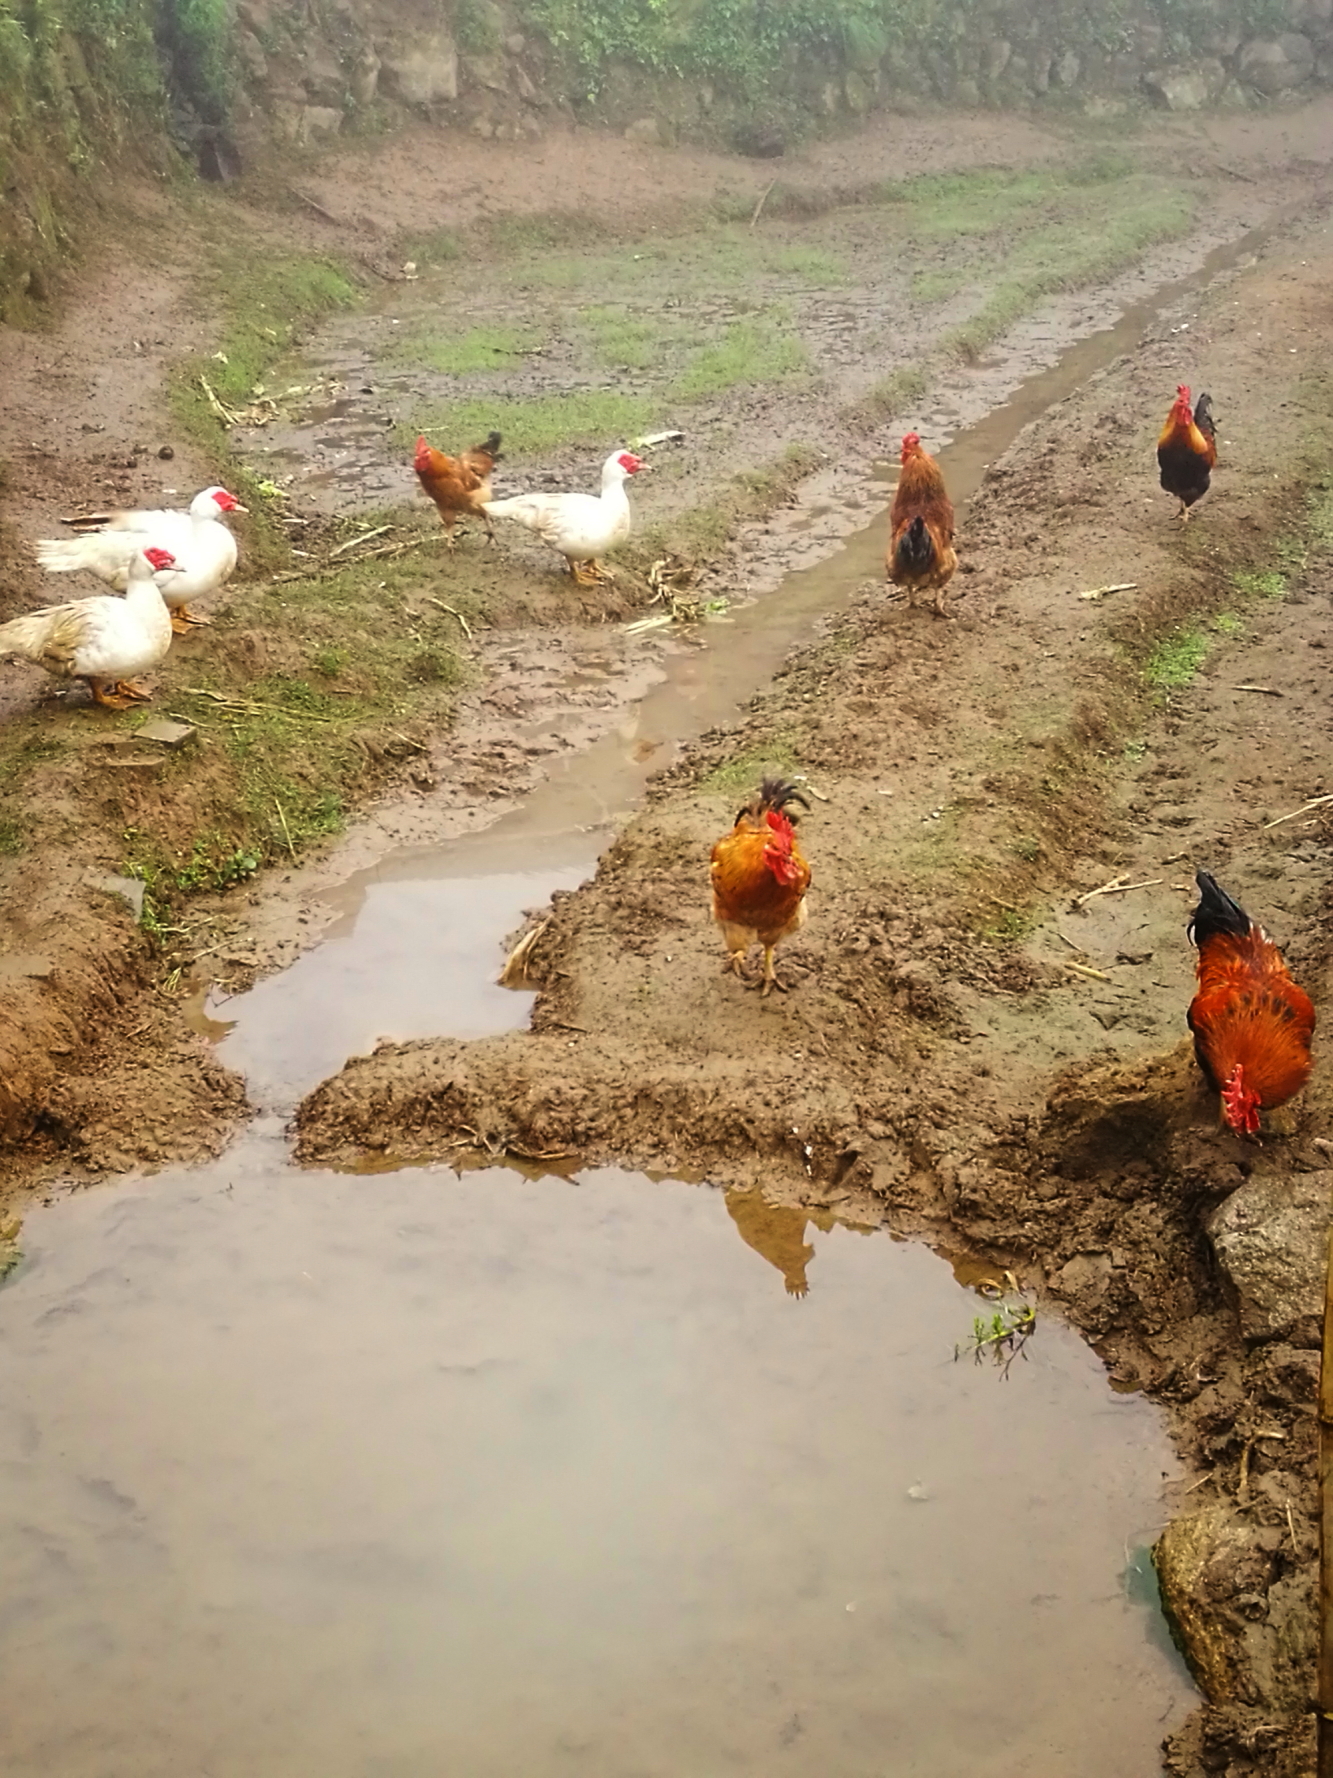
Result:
[[973, 780]]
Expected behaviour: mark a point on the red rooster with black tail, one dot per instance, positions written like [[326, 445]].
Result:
[[1252, 1025], [1187, 449]]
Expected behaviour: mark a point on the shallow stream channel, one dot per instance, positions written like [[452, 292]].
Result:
[[333, 1475]]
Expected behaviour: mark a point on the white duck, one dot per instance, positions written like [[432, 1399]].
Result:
[[104, 640], [204, 548], [581, 526]]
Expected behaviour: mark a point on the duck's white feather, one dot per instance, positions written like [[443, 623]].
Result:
[[99, 638]]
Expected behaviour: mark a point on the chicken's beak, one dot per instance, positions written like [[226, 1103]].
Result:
[[239, 508]]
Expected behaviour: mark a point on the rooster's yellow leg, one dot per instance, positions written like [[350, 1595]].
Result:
[[771, 976], [581, 576], [600, 573]]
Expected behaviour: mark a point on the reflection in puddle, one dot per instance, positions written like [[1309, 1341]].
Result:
[[414, 957], [327, 1477]]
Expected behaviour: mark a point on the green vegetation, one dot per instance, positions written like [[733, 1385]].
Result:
[[265, 307], [11, 836], [1175, 660], [535, 425], [11, 1254], [478, 27], [753, 48], [1106, 230], [479, 349], [625, 341], [741, 775], [1226, 623], [1267, 584], [747, 352]]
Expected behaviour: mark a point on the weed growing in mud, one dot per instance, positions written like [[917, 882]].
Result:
[[1174, 661], [265, 307], [1004, 1334], [11, 836], [537, 425], [479, 349], [748, 352], [11, 1254], [1267, 585], [1084, 247], [742, 774], [1226, 623]]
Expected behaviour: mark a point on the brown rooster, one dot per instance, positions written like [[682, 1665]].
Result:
[[459, 485], [1252, 1025], [921, 554], [760, 879], [1187, 449]]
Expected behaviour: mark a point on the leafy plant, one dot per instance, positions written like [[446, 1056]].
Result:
[[1003, 1335]]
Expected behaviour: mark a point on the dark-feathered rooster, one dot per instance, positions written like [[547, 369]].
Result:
[[1252, 1025], [760, 879], [1187, 449], [921, 553]]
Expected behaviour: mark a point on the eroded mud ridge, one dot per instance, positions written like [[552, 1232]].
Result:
[[959, 1061]]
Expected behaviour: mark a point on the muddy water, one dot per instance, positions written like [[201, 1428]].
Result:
[[336, 1476]]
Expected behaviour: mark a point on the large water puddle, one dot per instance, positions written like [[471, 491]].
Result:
[[333, 1476]]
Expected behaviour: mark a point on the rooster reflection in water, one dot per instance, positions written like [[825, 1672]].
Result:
[[776, 1232]]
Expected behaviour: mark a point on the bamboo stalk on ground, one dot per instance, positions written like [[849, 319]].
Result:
[[1325, 1686]]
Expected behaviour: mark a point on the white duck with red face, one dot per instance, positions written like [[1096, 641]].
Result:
[[203, 547], [105, 640], [581, 526]]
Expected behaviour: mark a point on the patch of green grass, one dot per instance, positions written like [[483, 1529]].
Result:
[[702, 530], [891, 394], [742, 775], [1268, 584], [1226, 623], [537, 424], [458, 355], [439, 247], [819, 265], [939, 284], [1083, 246], [11, 836], [265, 307], [1010, 927], [1319, 519], [1174, 662], [747, 352], [622, 339], [329, 661]]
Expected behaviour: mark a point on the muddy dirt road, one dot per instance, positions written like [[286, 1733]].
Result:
[[972, 1054]]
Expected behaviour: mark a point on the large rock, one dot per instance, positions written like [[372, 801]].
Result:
[[1248, 1636], [1273, 65], [421, 73], [1271, 1241], [1186, 89]]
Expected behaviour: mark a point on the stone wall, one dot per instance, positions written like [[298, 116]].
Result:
[[312, 71]]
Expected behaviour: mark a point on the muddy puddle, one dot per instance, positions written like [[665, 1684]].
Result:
[[338, 1474]]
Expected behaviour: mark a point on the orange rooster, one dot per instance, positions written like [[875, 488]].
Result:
[[459, 485], [1252, 1025], [760, 879], [921, 555], [1187, 449]]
